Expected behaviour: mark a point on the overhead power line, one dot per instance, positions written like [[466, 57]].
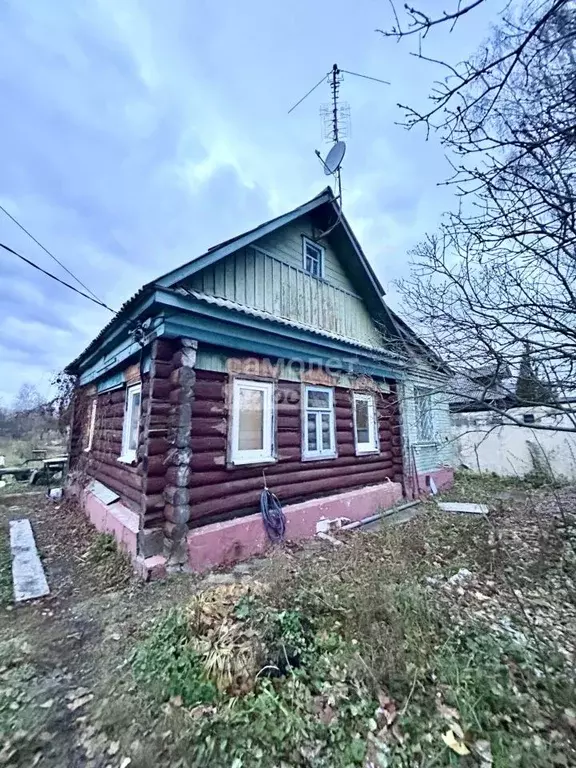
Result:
[[58, 280], [64, 267]]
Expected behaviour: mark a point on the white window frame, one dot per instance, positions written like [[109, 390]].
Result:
[[267, 453], [373, 444], [420, 394], [319, 453], [129, 455], [92, 424], [321, 253]]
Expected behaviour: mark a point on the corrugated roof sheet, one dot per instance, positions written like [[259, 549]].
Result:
[[227, 304]]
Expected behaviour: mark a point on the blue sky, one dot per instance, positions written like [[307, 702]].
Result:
[[136, 134]]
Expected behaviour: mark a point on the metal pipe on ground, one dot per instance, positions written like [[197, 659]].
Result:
[[379, 516]]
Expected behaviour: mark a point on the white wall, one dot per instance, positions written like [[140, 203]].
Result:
[[484, 445]]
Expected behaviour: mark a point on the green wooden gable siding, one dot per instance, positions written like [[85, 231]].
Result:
[[269, 276]]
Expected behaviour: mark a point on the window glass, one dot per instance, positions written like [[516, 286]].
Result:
[[130, 428], [251, 420], [312, 442], [318, 398], [134, 421], [423, 407], [319, 438], [365, 424], [326, 431], [313, 255], [362, 428]]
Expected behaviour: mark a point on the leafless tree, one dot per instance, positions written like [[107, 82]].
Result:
[[498, 278]]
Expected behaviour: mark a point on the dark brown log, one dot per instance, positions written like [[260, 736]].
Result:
[[159, 408], [120, 476], [154, 501], [165, 349], [116, 484], [156, 465], [289, 439], [208, 408], [207, 427], [208, 444], [153, 519], [162, 369], [207, 461], [202, 375], [251, 499], [161, 389], [232, 487], [209, 390], [154, 484], [288, 423], [286, 468], [157, 446]]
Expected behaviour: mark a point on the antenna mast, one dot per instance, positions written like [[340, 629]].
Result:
[[335, 117], [335, 86]]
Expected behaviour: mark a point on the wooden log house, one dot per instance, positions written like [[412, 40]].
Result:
[[270, 359]]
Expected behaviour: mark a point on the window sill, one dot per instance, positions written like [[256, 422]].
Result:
[[127, 459], [320, 457], [253, 462], [368, 452]]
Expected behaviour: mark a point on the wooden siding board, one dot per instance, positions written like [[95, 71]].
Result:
[[269, 276]]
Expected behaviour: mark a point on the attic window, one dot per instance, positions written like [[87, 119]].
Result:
[[313, 258]]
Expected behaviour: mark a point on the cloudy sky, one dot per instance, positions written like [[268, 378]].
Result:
[[136, 133]]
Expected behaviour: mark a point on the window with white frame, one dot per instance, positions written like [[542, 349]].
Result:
[[91, 424], [252, 422], [131, 424], [423, 409], [318, 423], [365, 424], [313, 258]]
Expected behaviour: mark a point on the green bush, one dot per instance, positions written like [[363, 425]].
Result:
[[167, 664]]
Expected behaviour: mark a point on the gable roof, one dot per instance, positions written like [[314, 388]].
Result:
[[220, 251], [324, 203]]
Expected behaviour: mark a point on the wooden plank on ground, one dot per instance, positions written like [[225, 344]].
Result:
[[463, 507], [28, 574]]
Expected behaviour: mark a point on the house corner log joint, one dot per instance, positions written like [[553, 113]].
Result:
[[178, 456]]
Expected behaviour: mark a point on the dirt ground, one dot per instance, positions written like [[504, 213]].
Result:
[[60, 656], [54, 651]]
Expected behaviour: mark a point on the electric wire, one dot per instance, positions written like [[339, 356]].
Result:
[[58, 280], [64, 267]]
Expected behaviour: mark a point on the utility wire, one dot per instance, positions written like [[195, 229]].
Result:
[[64, 267], [62, 282]]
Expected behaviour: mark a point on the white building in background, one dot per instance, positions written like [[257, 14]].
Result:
[[484, 442]]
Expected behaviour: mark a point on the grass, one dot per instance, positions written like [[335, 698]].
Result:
[[6, 593], [109, 560], [367, 655]]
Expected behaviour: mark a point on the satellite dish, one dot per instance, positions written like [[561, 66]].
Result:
[[334, 158]]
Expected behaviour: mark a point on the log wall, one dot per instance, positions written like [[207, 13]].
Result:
[[217, 490]]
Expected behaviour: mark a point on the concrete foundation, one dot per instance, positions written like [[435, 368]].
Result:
[[115, 519], [242, 538]]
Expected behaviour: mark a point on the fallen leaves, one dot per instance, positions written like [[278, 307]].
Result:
[[80, 702]]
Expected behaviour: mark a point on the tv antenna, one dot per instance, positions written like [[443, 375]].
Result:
[[336, 117]]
